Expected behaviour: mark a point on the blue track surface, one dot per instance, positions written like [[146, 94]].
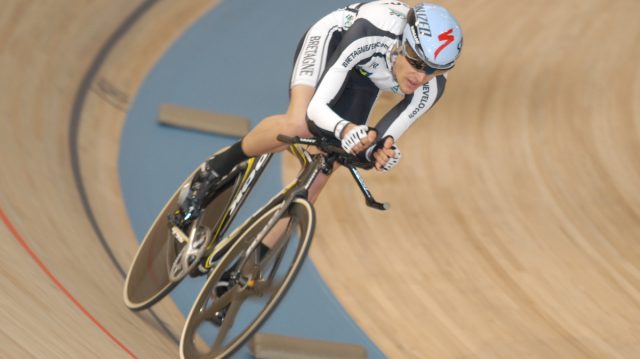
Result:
[[236, 59]]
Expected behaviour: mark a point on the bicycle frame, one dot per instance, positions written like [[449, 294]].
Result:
[[254, 169], [311, 165], [255, 166]]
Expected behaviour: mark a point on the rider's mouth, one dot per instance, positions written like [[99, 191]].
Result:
[[412, 84]]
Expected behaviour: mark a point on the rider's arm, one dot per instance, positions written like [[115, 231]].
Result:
[[406, 112], [362, 41]]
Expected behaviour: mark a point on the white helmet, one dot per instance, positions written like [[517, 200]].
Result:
[[432, 38]]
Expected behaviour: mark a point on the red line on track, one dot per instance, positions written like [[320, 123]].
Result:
[[55, 280]]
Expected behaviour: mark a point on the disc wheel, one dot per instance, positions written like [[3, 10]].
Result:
[[150, 276]]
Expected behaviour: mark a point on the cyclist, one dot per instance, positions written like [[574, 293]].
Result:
[[341, 64]]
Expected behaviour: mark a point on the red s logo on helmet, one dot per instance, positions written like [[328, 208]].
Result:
[[447, 37]]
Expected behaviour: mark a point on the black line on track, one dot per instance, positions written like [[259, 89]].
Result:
[[78, 106]]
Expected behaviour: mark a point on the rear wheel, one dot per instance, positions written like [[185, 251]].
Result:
[[153, 274], [220, 323]]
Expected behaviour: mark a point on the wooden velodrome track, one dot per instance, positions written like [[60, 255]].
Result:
[[516, 214]]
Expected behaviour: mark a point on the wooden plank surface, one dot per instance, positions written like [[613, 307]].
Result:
[[205, 121], [71, 306], [271, 346], [516, 214]]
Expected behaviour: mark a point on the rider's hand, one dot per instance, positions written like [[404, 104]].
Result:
[[357, 138], [387, 156]]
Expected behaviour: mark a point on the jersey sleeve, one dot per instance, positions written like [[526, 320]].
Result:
[[362, 41], [406, 112]]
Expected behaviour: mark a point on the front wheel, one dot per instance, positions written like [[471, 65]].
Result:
[[220, 323]]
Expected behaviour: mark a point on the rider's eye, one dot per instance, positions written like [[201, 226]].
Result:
[[414, 60]]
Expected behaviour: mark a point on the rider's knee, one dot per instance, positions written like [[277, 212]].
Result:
[[296, 124]]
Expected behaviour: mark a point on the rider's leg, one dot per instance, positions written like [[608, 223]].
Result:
[[261, 139]]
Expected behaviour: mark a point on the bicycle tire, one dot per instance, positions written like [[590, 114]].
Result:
[[147, 280], [301, 220]]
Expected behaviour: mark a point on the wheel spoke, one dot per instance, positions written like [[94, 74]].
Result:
[[280, 249], [217, 304], [229, 319]]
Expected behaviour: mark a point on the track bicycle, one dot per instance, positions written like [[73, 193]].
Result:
[[219, 323], [168, 254]]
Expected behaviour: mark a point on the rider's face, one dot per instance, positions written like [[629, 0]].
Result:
[[408, 77]]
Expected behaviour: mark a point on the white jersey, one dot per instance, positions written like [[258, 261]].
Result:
[[353, 43]]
